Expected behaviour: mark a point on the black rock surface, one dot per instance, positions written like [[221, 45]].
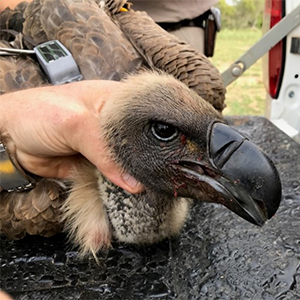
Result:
[[217, 255]]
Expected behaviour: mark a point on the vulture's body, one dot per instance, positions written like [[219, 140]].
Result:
[[109, 42]]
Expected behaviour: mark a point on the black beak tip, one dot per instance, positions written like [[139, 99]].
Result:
[[254, 180]]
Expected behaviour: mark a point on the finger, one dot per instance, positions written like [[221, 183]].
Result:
[[123, 180], [54, 167], [4, 296], [89, 142], [108, 167]]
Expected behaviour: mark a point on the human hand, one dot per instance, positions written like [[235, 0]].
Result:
[[10, 3], [4, 296], [51, 128]]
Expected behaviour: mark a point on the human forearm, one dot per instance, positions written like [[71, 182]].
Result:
[[10, 3], [42, 123], [50, 128]]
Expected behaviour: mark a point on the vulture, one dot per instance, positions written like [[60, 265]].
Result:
[[164, 127]]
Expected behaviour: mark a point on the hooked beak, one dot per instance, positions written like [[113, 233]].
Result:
[[241, 176]]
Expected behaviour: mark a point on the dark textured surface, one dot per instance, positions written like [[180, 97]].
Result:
[[217, 256]]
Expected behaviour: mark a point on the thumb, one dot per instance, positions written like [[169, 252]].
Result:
[[89, 142], [4, 296], [122, 179]]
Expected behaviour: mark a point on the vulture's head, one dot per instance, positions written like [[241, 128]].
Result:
[[177, 145]]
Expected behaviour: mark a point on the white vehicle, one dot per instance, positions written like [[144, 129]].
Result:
[[280, 47], [281, 71]]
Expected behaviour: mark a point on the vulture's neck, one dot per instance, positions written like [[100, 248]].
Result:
[[142, 218]]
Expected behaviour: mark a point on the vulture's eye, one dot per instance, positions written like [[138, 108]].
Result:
[[164, 132]]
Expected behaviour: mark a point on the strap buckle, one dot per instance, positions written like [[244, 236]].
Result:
[[13, 177]]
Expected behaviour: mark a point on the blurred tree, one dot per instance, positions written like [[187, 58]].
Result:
[[242, 14]]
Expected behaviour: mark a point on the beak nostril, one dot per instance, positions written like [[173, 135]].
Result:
[[245, 172], [223, 142], [221, 156]]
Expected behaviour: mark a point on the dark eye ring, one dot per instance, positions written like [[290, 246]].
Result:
[[164, 132]]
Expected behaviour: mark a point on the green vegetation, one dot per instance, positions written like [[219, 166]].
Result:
[[241, 28], [243, 14], [245, 96]]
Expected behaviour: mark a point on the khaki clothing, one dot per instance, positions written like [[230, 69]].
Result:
[[172, 11], [192, 35]]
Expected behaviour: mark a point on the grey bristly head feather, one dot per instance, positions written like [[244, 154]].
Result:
[[148, 100], [129, 122], [167, 137], [177, 146], [143, 101]]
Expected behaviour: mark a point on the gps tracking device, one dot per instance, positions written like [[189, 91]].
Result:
[[54, 58], [57, 62], [60, 67]]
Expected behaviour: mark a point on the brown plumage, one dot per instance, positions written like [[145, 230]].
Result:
[[19, 72], [100, 40], [36, 212], [165, 52], [109, 44]]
